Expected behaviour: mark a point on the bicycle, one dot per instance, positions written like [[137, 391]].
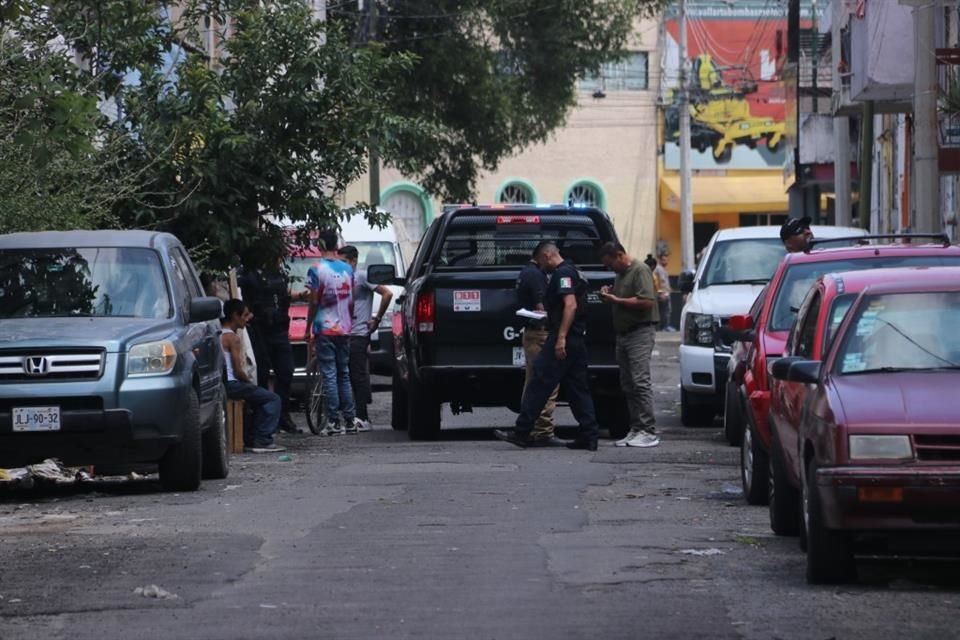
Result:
[[314, 405]]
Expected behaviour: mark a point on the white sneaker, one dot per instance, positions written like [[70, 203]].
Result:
[[644, 440], [332, 429], [622, 442], [362, 425]]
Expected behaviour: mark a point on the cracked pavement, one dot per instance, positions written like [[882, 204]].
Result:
[[374, 536]]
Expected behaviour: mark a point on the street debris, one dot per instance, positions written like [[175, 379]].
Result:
[[153, 591], [52, 472], [712, 551]]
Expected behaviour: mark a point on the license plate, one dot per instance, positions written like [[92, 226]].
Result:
[[519, 359], [36, 418]]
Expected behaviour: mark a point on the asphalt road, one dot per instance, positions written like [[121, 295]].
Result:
[[374, 536]]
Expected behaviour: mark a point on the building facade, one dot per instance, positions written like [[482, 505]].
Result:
[[605, 156]]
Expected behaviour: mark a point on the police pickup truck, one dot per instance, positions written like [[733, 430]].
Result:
[[458, 338]]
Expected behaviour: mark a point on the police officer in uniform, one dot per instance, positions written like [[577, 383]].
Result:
[[564, 357], [266, 292], [531, 289]]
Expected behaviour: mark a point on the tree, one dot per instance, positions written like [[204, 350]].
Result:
[[492, 76]]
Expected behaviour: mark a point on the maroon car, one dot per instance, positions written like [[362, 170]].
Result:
[[865, 432]]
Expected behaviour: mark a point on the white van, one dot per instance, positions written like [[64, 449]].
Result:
[[378, 246], [736, 265]]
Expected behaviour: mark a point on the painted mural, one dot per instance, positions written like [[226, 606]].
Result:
[[737, 99]]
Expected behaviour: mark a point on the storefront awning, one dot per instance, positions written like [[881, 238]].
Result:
[[727, 194]]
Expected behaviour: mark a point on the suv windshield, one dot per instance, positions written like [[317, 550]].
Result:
[[904, 331], [744, 261], [87, 281], [799, 278]]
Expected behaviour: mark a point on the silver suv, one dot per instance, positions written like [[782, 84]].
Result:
[[109, 355]]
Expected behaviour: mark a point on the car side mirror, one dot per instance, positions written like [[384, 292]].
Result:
[[731, 335], [204, 309], [685, 282], [796, 369], [382, 274], [741, 322]]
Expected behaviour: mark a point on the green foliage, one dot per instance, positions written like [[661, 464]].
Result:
[[491, 76]]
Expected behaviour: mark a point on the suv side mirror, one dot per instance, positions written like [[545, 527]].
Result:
[[204, 309], [796, 369], [685, 281], [382, 274]]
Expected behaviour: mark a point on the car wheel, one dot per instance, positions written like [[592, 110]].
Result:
[[753, 467], [216, 458], [829, 553], [732, 415], [694, 415], [180, 467], [398, 405], [613, 415], [784, 500], [314, 406], [423, 413]]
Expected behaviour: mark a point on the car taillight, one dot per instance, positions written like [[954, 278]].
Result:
[[426, 312], [396, 324]]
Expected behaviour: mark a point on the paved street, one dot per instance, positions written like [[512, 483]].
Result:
[[374, 536]]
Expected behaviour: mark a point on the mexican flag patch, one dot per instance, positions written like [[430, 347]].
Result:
[[566, 283]]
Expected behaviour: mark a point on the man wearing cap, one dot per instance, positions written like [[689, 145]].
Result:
[[796, 235]]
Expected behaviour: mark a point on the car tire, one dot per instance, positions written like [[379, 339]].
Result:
[[694, 415], [784, 500], [180, 467], [753, 466], [614, 416], [216, 458], [398, 406], [732, 415], [423, 413], [829, 552]]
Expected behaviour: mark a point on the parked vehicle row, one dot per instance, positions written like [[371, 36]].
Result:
[[835, 397]]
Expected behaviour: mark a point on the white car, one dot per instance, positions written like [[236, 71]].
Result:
[[735, 266]]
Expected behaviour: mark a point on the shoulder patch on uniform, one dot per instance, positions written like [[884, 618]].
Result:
[[566, 283]]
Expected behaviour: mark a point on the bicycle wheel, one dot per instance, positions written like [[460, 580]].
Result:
[[313, 405]]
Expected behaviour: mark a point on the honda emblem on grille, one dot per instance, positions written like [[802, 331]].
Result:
[[36, 366]]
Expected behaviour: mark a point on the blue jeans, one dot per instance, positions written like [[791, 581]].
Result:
[[333, 357], [266, 407]]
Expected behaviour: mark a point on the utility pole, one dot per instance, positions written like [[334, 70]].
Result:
[[374, 170], [841, 126], [926, 212], [866, 164], [686, 195]]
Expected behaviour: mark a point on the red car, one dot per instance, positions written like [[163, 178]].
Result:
[[866, 437], [768, 332]]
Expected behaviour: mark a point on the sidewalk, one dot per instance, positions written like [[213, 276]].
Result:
[[670, 337]]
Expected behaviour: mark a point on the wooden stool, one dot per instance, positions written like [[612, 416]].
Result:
[[235, 412]]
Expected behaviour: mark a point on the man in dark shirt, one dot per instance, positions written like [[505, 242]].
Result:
[[267, 293], [564, 357], [531, 289]]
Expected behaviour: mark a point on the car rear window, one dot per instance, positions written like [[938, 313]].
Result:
[[480, 242], [88, 281], [798, 279]]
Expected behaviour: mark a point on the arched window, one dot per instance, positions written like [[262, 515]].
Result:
[[586, 193], [516, 192], [409, 207]]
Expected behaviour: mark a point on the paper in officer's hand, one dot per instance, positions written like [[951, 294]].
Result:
[[533, 315]]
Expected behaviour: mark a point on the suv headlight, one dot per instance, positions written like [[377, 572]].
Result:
[[880, 448], [699, 329], [151, 359]]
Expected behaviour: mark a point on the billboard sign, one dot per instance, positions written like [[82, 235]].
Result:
[[737, 105]]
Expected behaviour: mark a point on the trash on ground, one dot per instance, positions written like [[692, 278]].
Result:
[[153, 591], [712, 551]]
